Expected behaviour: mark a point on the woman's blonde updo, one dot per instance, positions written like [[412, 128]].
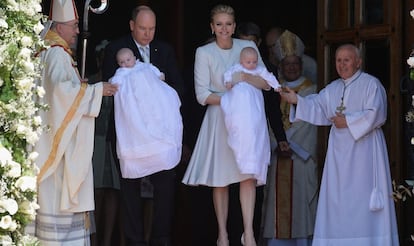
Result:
[[222, 9]]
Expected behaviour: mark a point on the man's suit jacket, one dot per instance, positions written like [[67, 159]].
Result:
[[272, 106], [274, 114]]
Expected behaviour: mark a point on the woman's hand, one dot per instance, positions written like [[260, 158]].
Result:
[[254, 80], [229, 85]]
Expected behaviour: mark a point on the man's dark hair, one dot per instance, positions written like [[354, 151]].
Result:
[[247, 29]]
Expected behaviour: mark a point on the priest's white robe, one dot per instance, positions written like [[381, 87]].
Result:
[[65, 182], [355, 204]]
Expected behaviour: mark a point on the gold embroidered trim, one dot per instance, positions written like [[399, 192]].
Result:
[[59, 133], [284, 196]]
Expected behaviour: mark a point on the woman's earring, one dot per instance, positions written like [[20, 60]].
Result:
[[212, 32]]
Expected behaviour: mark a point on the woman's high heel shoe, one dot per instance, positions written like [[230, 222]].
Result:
[[243, 241], [221, 243]]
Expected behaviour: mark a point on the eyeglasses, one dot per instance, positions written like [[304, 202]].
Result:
[[290, 64], [270, 46], [74, 26]]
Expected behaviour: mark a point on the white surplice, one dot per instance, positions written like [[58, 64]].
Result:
[[356, 164]]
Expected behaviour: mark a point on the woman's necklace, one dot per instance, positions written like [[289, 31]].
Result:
[[341, 108]]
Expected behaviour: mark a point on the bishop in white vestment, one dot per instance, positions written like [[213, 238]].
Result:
[[65, 179]]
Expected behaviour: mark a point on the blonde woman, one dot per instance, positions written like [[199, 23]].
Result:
[[213, 163]]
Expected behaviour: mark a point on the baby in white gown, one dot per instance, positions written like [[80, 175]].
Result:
[[245, 117], [148, 121]]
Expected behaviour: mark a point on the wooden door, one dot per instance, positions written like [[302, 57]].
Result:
[[375, 26]]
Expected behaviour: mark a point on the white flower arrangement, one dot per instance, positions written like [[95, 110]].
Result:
[[402, 191], [20, 127], [409, 117], [410, 61]]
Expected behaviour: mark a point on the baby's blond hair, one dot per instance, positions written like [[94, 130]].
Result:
[[123, 51], [248, 51]]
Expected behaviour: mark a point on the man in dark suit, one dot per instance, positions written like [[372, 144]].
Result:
[[161, 55]]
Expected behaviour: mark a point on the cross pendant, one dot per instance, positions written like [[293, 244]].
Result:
[[341, 107]]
